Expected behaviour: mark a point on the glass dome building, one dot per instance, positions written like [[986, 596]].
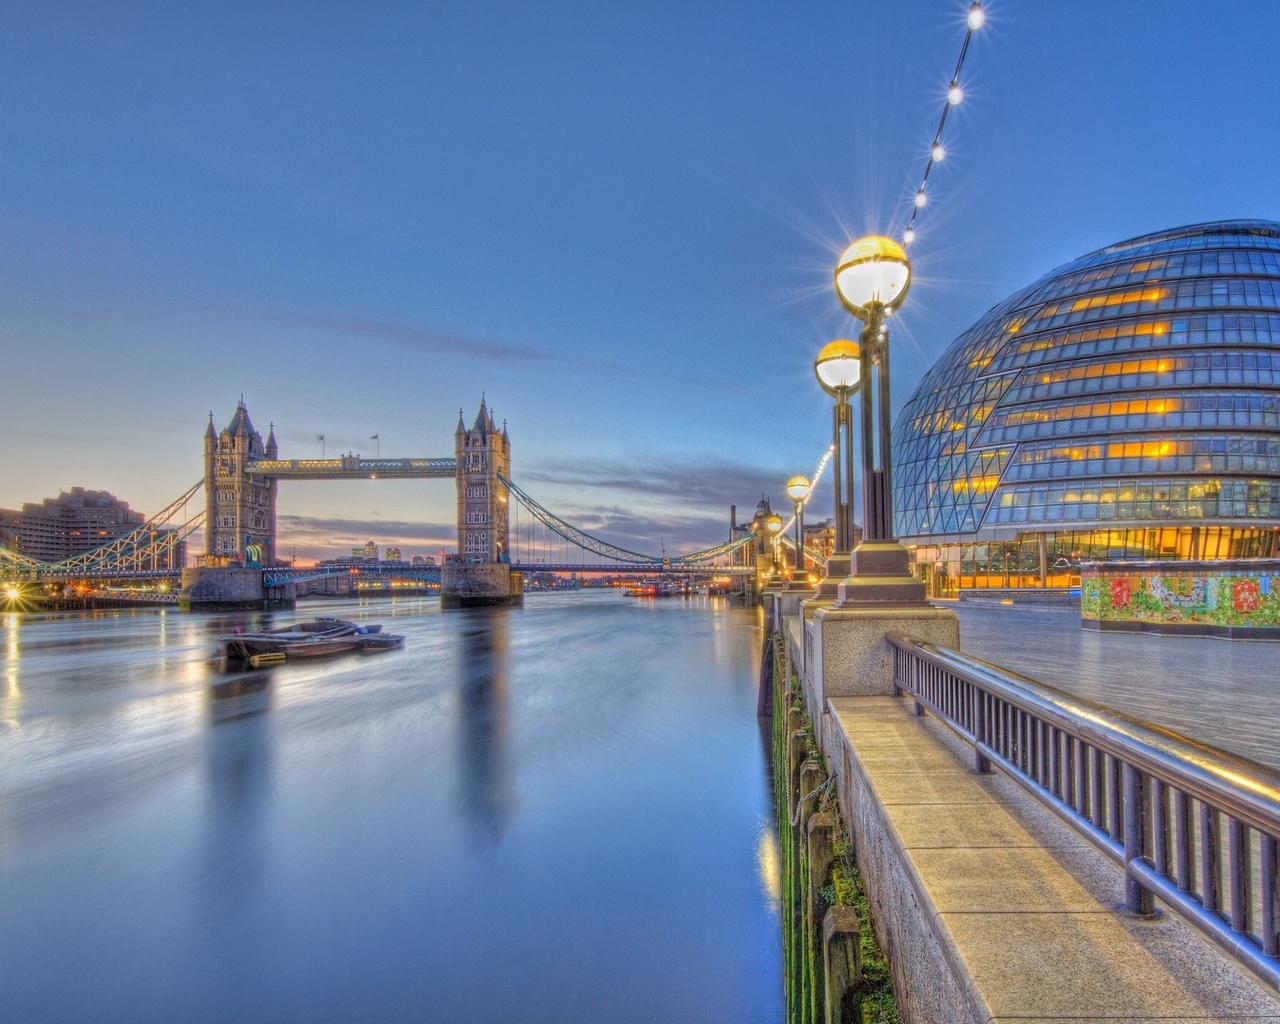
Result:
[[1126, 405]]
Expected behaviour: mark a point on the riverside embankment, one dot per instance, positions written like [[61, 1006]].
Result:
[[989, 906]]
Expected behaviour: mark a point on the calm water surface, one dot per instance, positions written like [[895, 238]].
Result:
[[555, 813]]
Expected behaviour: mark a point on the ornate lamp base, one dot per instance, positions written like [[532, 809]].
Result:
[[880, 575]]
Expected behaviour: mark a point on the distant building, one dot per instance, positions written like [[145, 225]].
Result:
[[393, 555], [9, 528], [79, 521], [368, 553], [423, 560]]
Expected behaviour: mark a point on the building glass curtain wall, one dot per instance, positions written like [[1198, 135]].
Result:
[[1125, 406]]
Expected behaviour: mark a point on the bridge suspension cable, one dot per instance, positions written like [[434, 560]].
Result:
[[603, 549]]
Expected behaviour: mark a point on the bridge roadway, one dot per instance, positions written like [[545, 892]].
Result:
[[353, 467], [995, 909], [647, 569]]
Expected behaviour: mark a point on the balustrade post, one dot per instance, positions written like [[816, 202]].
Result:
[[980, 764], [1210, 858], [1137, 899], [1239, 876], [1270, 869]]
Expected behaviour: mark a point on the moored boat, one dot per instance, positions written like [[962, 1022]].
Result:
[[321, 646], [377, 642], [315, 638]]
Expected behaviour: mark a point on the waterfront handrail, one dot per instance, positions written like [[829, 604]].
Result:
[[1157, 802]]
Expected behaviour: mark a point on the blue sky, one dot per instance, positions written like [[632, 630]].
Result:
[[618, 221]]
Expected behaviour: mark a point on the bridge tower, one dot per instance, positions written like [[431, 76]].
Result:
[[240, 509], [480, 574], [482, 453]]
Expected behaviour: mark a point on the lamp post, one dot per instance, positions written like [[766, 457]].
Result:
[[774, 525], [871, 278], [839, 371], [798, 491]]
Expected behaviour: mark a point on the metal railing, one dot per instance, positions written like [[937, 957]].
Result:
[[1192, 825]]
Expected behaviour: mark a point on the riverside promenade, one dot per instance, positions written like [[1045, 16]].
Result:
[[989, 907]]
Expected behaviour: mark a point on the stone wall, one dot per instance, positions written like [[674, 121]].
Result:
[[221, 588]]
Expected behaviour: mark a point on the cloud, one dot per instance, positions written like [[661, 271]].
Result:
[[681, 504], [706, 480], [418, 338], [314, 529], [446, 343]]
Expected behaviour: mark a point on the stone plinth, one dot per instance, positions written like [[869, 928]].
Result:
[[852, 658], [216, 589], [791, 599], [479, 585], [879, 574]]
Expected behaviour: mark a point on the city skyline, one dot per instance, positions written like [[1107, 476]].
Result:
[[618, 226]]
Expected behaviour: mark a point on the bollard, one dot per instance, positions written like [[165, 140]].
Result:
[[821, 829], [797, 751], [812, 775], [795, 720], [840, 960]]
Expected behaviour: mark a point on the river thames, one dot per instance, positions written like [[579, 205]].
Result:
[[553, 813]]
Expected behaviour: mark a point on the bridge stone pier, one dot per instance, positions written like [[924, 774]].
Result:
[[988, 906], [242, 473]]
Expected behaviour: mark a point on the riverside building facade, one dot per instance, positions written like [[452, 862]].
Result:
[[76, 522], [1124, 406]]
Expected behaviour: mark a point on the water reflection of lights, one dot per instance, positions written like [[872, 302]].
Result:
[[11, 698], [769, 866]]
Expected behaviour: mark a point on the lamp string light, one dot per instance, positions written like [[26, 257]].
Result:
[[955, 94], [813, 484]]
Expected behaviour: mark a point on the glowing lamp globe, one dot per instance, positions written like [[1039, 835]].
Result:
[[774, 523], [798, 489], [838, 366], [873, 272]]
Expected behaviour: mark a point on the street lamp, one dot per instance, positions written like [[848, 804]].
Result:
[[871, 278], [774, 525], [839, 371], [798, 491]]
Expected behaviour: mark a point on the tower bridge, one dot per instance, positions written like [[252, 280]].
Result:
[[501, 530]]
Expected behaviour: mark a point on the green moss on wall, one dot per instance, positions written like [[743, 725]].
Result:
[[871, 1000]]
